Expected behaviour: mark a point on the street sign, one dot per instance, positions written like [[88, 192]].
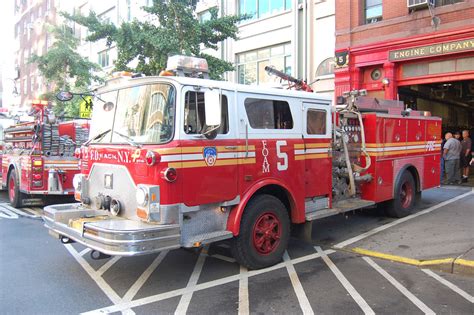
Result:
[[85, 108]]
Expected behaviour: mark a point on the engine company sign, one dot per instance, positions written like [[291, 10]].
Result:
[[432, 50]]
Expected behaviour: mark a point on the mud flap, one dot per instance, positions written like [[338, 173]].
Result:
[[303, 231]]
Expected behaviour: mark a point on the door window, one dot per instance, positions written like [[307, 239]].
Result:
[[194, 114], [316, 122]]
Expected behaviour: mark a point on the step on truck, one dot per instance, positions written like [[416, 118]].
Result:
[[183, 161], [38, 160]]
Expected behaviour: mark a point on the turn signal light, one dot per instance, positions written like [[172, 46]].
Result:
[[170, 174], [37, 162], [152, 158]]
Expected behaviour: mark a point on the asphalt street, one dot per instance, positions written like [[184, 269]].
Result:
[[39, 275]]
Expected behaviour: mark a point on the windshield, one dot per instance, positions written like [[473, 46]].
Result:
[[141, 114]]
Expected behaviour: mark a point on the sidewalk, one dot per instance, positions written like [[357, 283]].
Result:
[[442, 239]]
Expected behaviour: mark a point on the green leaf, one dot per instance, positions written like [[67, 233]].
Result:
[[177, 31]]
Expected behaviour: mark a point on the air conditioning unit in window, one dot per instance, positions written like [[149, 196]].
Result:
[[419, 4]]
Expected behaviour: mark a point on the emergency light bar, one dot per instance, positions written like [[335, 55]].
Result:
[[187, 64]]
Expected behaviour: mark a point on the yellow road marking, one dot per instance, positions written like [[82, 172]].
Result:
[[411, 261], [464, 262]]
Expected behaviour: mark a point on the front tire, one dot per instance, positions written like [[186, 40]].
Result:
[[14, 194], [264, 233], [405, 197]]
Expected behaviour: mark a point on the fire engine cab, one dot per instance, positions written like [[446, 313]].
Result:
[[182, 161], [38, 157]]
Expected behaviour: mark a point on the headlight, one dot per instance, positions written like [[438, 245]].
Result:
[[141, 196], [76, 182]]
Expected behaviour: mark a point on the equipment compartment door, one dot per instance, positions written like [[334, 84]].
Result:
[[209, 166], [316, 151]]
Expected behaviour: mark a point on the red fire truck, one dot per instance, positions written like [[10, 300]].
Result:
[[178, 161], [38, 157]]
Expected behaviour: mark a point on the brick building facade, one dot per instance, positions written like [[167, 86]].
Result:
[[409, 50], [31, 37]]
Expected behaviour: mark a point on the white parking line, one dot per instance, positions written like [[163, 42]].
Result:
[[17, 211], [8, 214], [144, 277], [141, 280], [186, 298], [103, 285], [345, 283], [199, 287], [84, 251], [396, 222], [299, 290], [450, 285], [107, 265], [222, 281], [244, 308], [224, 258], [422, 306]]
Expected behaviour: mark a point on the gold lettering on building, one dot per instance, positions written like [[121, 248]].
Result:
[[431, 50]]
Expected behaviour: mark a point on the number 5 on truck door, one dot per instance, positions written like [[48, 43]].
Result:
[[281, 165]]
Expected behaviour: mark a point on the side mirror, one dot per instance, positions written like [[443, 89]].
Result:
[[212, 107], [64, 96]]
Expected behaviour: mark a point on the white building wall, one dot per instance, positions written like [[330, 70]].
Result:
[[322, 43]]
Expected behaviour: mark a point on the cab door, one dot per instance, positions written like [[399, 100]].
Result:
[[209, 166], [317, 149]]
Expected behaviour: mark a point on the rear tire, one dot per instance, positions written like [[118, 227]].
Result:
[[14, 194], [405, 197], [264, 233]]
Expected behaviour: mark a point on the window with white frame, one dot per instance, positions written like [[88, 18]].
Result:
[[204, 16], [373, 11], [104, 58], [108, 16], [251, 65], [263, 8]]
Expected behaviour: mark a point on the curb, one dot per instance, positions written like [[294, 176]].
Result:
[[451, 265]]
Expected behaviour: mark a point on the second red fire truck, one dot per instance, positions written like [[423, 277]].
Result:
[[178, 161], [38, 157]]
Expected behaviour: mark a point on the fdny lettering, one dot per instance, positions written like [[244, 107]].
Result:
[[123, 156], [119, 156], [430, 146], [265, 165]]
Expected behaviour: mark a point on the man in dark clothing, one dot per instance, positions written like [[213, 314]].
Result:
[[457, 136], [451, 155], [466, 154]]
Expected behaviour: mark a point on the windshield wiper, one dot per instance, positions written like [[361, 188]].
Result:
[[128, 139], [98, 137]]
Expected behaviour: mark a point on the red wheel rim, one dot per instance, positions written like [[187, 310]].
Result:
[[406, 194], [11, 188], [266, 233]]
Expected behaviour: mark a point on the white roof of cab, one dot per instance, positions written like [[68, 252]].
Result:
[[124, 82]]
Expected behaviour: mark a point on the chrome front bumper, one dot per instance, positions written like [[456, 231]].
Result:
[[98, 230]]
